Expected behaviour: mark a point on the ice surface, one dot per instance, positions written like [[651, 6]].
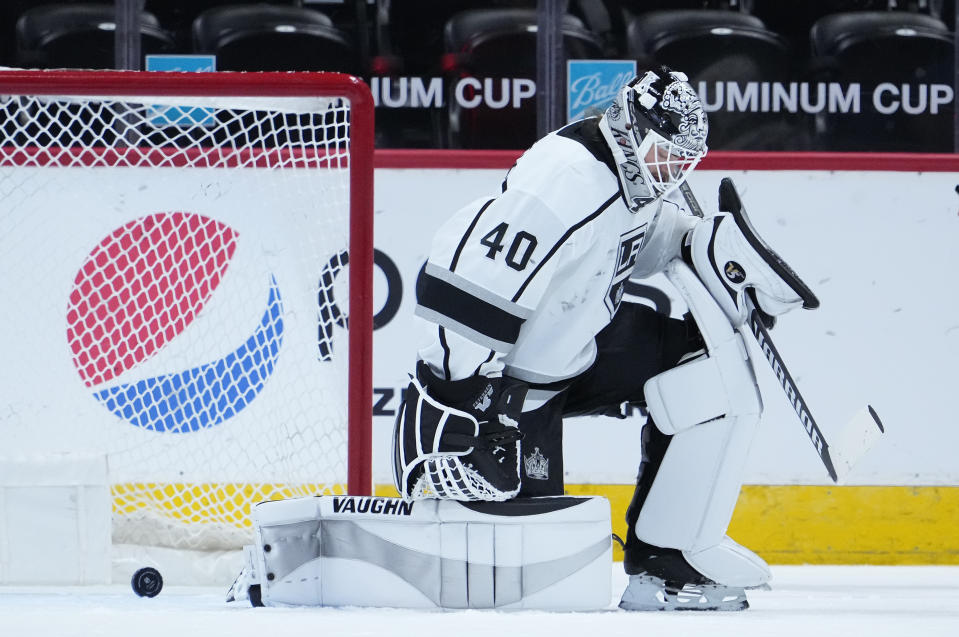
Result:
[[805, 601]]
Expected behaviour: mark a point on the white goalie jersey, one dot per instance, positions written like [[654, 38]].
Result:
[[520, 283]]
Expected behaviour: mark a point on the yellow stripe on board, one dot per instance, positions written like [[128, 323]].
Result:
[[850, 525], [832, 525]]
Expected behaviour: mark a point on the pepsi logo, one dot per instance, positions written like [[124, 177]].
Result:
[[141, 288]]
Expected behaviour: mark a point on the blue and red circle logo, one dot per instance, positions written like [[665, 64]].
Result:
[[138, 290]]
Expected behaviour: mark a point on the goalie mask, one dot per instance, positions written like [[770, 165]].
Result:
[[656, 128]]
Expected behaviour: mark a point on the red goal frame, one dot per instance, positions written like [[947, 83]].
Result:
[[232, 84]]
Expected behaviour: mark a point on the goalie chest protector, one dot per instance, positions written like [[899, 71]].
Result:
[[542, 553]]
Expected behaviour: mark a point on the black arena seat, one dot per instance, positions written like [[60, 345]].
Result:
[[908, 57], [727, 53], [79, 36], [493, 45], [262, 37]]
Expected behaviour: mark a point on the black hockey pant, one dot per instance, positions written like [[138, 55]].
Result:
[[638, 344]]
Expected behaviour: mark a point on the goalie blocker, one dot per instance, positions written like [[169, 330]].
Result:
[[533, 553]]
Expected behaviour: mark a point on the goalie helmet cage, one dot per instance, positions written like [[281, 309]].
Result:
[[174, 249]]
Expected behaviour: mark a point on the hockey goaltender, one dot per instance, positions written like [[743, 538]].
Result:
[[524, 322]]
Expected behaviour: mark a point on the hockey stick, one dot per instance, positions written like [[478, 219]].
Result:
[[858, 435], [691, 199]]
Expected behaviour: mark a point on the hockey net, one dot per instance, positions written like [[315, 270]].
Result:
[[179, 253]]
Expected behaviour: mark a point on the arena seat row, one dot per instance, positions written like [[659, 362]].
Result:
[[835, 41], [866, 48]]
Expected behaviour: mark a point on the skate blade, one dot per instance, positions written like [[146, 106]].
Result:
[[733, 605], [646, 593]]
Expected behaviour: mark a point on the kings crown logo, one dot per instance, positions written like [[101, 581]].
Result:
[[536, 465]]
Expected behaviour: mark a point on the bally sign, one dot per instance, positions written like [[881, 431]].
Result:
[[592, 85]]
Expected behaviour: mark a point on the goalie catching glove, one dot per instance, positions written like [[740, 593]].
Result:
[[458, 440], [732, 260]]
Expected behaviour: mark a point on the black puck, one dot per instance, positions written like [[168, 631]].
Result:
[[147, 582]]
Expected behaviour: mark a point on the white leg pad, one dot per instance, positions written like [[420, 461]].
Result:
[[705, 389], [712, 407], [695, 490], [731, 564], [542, 553], [720, 384]]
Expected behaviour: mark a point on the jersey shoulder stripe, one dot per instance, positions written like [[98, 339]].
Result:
[[466, 235], [562, 240]]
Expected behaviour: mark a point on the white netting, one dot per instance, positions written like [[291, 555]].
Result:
[[172, 274]]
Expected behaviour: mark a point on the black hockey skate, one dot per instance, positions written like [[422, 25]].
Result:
[[648, 592], [662, 579]]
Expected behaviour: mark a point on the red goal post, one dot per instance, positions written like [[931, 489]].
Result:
[[117, 160]]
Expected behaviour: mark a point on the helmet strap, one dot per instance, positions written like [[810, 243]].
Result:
[[630, 168]]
